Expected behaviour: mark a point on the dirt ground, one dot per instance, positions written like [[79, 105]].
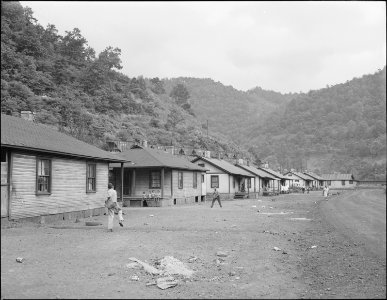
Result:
[[70, 260]]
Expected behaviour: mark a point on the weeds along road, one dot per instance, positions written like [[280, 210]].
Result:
[[360, 215]]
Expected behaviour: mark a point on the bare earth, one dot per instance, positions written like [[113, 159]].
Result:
[[71, 260]]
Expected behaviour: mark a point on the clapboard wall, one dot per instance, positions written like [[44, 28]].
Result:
[[68, 187]]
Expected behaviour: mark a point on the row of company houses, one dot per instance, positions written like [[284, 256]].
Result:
[[49, 174]]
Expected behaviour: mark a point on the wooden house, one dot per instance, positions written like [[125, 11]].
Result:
[[317, 182], [50, 174], [339, 181], [262, 180], [227, 178], [295, 179], [277, 183], [173, 177]]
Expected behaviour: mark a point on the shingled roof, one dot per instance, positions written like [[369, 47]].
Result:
[[257, 172], [27, 135], [299, 174], [272, 172], [314, 175], [337, 176], [154, 158], [225, 166]]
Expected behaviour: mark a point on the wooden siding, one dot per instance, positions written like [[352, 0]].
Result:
[[187, 191], [68, 187]]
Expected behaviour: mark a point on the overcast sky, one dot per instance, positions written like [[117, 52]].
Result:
[[280, 46]]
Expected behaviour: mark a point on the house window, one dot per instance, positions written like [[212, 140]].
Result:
[[343, 182], [249, 182], [201, 165], [195, 180], [180, 180], [351, 182], [296, 180], [329, 182], [202, 178], [233, 182], [43, 176], [155, 180], [214, 181], [91, 177], [3, 155]]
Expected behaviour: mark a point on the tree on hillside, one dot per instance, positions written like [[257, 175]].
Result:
[[180, 94]]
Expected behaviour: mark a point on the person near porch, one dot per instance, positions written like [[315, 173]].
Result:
[[115, 208], [216, 196]]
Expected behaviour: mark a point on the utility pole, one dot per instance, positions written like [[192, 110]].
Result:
[[207, 128]]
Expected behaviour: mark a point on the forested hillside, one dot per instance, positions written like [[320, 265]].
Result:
[[227, 110], [340, 128], [71, 88]]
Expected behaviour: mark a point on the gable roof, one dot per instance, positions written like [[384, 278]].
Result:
[[26, 135], [256, 171], [224, 166], [338, 176], [154, 158], [272, 172], [299, 174], [313, 175]]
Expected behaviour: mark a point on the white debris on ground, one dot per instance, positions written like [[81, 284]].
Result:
[[148, 268], [173, 266], [279, 213], [300, 219], [276, 249], [166, 282]]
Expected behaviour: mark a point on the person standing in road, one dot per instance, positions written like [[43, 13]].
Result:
[[113, 207], [215, 196]]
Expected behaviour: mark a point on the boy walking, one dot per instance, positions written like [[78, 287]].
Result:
[[215, 196], [112, 196]]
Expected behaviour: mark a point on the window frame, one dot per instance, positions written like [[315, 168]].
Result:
[[202, 178], [249, 183], [343, 182], [88, 177], [49, 183], [351, 182], [180, 179], [217, 181], [195, 180], [151, 179]]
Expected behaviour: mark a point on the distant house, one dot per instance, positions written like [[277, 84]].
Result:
[[317, 181], [280, 180], [48, 173], [297, 179], [176, 179], [262, 180], [339, 181], [227, 178]]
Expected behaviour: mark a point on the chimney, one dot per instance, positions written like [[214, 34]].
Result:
[[266, 165], [207, 154], [248, 163], [27, 115], [240, 161]]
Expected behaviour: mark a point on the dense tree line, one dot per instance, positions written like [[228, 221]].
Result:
[[71, 87]]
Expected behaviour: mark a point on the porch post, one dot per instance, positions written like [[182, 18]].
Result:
[[162, 182], [122, 183], [133, 183]]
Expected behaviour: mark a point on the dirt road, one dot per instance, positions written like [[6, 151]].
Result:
[[71, 260]]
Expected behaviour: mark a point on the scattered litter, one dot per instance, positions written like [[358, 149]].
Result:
[[284, 252], [151, 215], [254, 206], [171, 265], [133, 265], [300, 219], [148, 268], [314, 246], [270, 207], [135, 278], [192, 259], [233, 226], [277, 249], [151, 283], [20, 259], [237, 278], [166, 282], [221, 254]]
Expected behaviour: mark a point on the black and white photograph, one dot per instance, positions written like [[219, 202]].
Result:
[[193, 150]]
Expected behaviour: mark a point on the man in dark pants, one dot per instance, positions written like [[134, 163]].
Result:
[[215, 197]]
